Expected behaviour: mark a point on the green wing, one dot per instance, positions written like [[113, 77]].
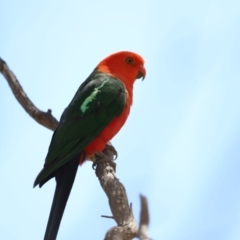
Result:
[[98, 100]]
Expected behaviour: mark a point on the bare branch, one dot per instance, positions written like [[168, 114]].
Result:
[[44, 118], [126, 228], [122, 213]]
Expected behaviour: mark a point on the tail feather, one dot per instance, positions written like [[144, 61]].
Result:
[[65, 177]]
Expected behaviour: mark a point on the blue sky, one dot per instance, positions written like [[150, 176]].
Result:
[[180, 146]]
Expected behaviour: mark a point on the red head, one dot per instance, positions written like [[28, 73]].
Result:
[[126, 66]]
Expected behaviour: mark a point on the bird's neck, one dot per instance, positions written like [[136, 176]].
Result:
[[129, 89]]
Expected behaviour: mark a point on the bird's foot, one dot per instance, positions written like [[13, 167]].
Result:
[[110, 151], [102, 157]]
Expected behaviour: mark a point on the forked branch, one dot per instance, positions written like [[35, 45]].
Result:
[[126, 228]]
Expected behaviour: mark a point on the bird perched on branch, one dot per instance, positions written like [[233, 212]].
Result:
[[96, 113]]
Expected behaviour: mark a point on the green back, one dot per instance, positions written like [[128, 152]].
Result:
[[98, 100]]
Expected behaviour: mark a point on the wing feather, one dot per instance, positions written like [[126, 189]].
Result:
[[96, 103]]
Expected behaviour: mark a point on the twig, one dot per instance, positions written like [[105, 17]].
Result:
[[144, 219]]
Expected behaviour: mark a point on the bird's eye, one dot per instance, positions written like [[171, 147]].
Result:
[[129, 60]]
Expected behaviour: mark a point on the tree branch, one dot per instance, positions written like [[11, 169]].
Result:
[[122, 213], [126, 228], [44, 118]]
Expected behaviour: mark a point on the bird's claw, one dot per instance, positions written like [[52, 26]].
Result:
[[111, 149], [101, 157]]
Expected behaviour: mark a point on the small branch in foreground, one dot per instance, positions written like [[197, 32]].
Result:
[[44, 118]]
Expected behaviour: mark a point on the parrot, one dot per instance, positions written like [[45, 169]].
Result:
[[97, 112]]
